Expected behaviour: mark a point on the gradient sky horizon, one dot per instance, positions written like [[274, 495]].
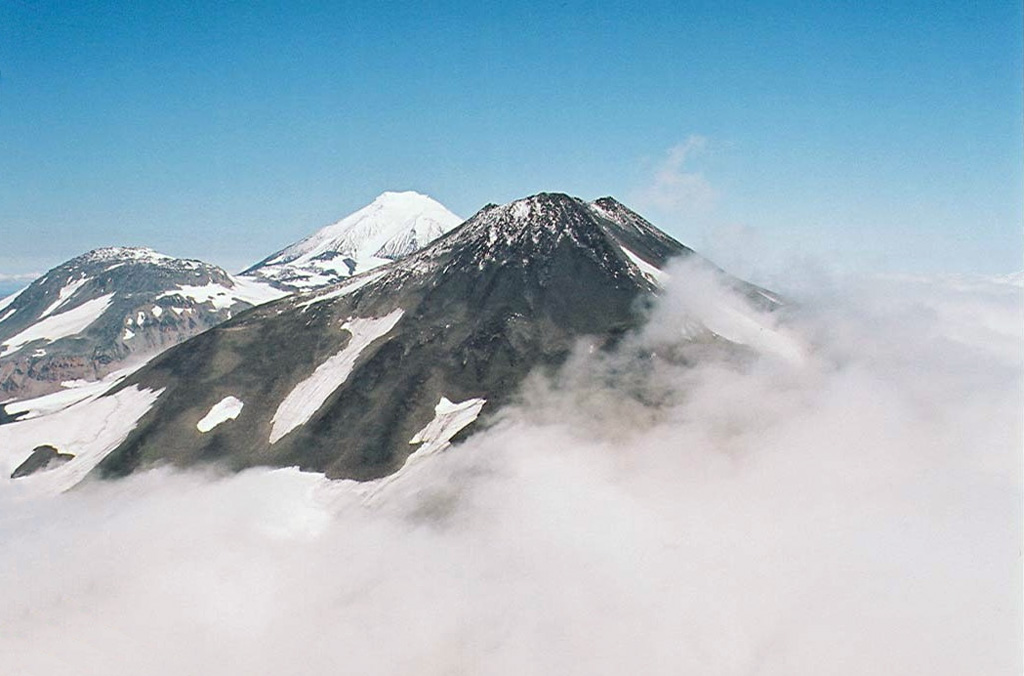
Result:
[[883, 138]]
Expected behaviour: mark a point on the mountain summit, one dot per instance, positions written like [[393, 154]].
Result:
[[393, 225], [554, 228]]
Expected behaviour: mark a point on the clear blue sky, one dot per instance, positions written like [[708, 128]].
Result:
[[875, 136]]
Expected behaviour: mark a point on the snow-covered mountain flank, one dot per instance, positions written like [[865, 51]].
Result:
[[87, 317], [393, 225]]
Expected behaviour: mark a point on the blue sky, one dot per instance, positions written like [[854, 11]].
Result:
[[867, 136]]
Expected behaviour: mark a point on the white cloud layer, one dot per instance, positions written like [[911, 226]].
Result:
[[858, 511]]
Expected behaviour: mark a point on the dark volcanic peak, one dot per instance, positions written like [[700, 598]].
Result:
[[528, 232], [543, 218]]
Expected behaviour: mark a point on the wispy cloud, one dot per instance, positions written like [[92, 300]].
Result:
[[19, 277], [674, 187]]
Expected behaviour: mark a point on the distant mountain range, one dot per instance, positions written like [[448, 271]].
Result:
[[397, 360]]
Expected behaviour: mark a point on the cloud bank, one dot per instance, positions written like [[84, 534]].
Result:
[[673, 508]]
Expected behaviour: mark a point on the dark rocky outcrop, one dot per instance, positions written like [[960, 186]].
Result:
[[42, 459]]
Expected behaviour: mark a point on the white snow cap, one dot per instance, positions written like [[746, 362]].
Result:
[[385, 228], [393, 225]]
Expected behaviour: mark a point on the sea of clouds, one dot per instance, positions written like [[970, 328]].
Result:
[[844, 499]]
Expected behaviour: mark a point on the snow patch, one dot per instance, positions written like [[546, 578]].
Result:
[[226, 409], [64, 295], [308, 396], [75, 391], [58, 326], [217, 294], [521, 210], [88, 430], [449, 419], [655, 275], [128, 254], [244, 290], [703, 298], [255, 292], [741, 326]]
